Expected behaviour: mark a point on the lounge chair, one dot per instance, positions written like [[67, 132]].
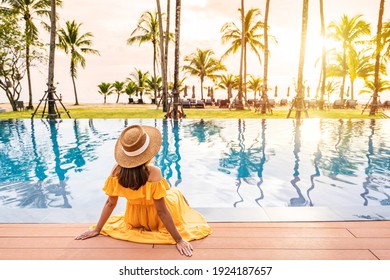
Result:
[[200, 104], [386, 104], [351, 104], [223, 103], [312, 104], [283, 102], [186, 104], [338, 104], [209, 102], [193, 102]]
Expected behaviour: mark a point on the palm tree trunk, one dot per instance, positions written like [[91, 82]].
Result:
[[323, 71], [264, 96], [163, 62], [298, 102], [166, 52], [30, 101], [239, 105], [154, 71], [344, 72], [72, 66], [177, 59], [52, 114], [374, 105]]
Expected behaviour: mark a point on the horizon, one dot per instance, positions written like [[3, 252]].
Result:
[[117, 60]]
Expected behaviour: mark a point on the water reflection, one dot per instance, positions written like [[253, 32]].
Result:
[[348, 162]]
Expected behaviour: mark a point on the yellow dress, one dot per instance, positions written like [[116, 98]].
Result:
[[141, 223]]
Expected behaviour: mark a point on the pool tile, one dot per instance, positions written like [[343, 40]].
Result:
[[359, 213]]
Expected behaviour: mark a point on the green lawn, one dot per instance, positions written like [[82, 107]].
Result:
[[101, 111]]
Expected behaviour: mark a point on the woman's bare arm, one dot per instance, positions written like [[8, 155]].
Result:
[[182, 246], [109, 206]]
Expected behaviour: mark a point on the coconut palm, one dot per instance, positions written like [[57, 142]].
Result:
[[323, 57], [119, 87], [255, 84], [228, 82], [386, 40], [139, 78], [331, 87], [75, 44], [266, 54], [203, 64], [105, 89], [298, 102], [148, 31], [151, 82], [131, 89], [233, 33], [374, 105], [31, 11], [348, 31], [369, 85]]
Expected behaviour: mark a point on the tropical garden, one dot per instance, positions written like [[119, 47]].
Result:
[[361, 51]]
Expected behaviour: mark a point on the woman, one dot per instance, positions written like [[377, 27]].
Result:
[[155, 213]]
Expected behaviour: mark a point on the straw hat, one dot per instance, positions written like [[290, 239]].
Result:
[[137, 145]]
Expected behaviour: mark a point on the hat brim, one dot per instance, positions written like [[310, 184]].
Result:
[[133, 161]]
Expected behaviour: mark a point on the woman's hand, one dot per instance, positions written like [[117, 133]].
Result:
[[184, 247], [88, 234]]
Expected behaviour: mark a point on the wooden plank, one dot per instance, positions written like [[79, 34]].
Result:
[[172, 254], [370, 232], [382, 254]]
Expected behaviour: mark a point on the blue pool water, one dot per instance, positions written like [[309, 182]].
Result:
[[229, 170]]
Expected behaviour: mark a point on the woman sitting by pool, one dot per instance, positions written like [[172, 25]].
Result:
[[155, 213]]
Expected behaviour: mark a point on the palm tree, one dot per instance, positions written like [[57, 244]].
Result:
[[251, 36], [266, 54], [255, 84], [298, 102], [53, 28], [119, 88], [348, 31], [75, 44], [151, 82], [203, 64], [148, 31], [140, 78], [386, 40], [176, 79], [228, 82], [331, 87], [164, 60], [369, 85], [323, 58], [29, 10], [130, 89], [105, 89], [374, 105]]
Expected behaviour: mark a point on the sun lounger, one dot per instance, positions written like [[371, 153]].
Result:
[[351, 104], [223, 103], [186, 104], [200, 104], [338, 104], [283, 102], [209, 102]]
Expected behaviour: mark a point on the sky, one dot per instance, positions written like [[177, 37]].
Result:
[[112, 22]]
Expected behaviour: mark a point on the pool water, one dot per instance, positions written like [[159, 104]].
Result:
[[229, 169]]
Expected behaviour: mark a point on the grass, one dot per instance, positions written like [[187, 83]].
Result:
[[150, 111]]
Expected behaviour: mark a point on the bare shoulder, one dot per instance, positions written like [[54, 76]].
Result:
[[115, 170], [155, 173]]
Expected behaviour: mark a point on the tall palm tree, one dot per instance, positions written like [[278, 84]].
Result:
[[50, 81], [176, 78], [370, 85], [266, 54], [203, 64], [151, 82], [374, 105], [386, 40], [298, 102], [164, 60], [251, 36], [105, 89], [348, 31], [75, 44], [119, 87], [323, 57], [31, 10], [147, 30]]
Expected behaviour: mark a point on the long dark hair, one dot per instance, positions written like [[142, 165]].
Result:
[[133, 178]]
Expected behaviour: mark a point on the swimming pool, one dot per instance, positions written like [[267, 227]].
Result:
[[229, 169]]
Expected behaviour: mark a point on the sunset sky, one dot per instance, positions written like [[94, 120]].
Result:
[[112, 22]]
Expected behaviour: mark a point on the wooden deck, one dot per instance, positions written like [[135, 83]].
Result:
[[368, 240]]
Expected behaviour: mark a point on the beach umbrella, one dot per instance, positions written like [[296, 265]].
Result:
[[185, 91], [276, 91], [208, 91], [308, 92], [288, 91], [212, 93], [193, 91], [348, 91]]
